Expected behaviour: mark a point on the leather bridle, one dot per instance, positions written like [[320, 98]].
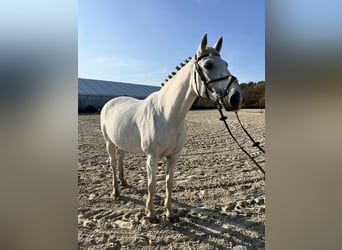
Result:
[[206, 81]]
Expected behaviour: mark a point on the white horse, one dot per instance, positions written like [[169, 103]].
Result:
[[155, 126]]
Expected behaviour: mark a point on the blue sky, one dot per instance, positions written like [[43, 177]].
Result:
[[143, 41]]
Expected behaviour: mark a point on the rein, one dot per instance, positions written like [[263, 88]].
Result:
[[255, 143], [224, 118]]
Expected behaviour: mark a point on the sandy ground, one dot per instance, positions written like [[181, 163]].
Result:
[[218, 193]]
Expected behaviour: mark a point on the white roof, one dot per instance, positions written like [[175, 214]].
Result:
[[108, 88]]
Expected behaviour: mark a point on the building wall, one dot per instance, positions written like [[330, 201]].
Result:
[[95, 101]]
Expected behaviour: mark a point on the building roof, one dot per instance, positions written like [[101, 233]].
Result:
[[108, 88]]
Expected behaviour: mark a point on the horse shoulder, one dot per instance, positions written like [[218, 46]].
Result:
[[147, 120]]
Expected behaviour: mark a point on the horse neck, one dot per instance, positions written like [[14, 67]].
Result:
[[177, 96]]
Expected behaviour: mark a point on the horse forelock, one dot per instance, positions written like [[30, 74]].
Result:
[[207, 50], [178, 67]]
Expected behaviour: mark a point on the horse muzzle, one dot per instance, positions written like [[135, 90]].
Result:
[[234, 101]]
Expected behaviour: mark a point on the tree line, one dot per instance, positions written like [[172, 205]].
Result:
[[254, 93]]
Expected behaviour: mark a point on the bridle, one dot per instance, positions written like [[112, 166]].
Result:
[[207, 82]]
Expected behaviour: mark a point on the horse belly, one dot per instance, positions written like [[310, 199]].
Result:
[[125, 136], [129, 142], [121, 128]]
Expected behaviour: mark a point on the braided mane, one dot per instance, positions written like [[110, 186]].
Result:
[[181, 65]]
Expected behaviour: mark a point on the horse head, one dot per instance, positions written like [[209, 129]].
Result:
[[213, 79]]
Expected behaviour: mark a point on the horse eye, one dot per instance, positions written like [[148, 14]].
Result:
[[208, 65]]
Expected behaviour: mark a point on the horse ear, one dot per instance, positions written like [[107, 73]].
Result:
[[218, 44], [203, 44]]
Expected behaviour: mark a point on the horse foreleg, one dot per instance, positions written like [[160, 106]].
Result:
[[121, 172], [151, 164], [112, 160], [170, 167]]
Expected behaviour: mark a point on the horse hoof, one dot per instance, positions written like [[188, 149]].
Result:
[[173, 219], [153, 220], [116, 195], [123, 183]]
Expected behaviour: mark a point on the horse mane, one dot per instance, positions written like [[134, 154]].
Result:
[[173, 73]]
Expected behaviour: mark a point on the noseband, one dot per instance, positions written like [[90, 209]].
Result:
[[206, 81]]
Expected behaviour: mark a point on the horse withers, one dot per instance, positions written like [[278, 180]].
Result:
[[155, 126]]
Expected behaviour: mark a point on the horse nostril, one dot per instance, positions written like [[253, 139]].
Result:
[[234, 100]]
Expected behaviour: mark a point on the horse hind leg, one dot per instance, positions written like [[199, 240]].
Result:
[[121, 155], [112, 160]]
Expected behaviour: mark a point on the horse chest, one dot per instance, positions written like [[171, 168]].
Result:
[[171, 140]]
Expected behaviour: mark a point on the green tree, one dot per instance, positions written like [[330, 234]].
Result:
[[254, 93]]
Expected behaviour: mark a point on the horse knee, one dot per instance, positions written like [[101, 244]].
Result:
[[151, 166]]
